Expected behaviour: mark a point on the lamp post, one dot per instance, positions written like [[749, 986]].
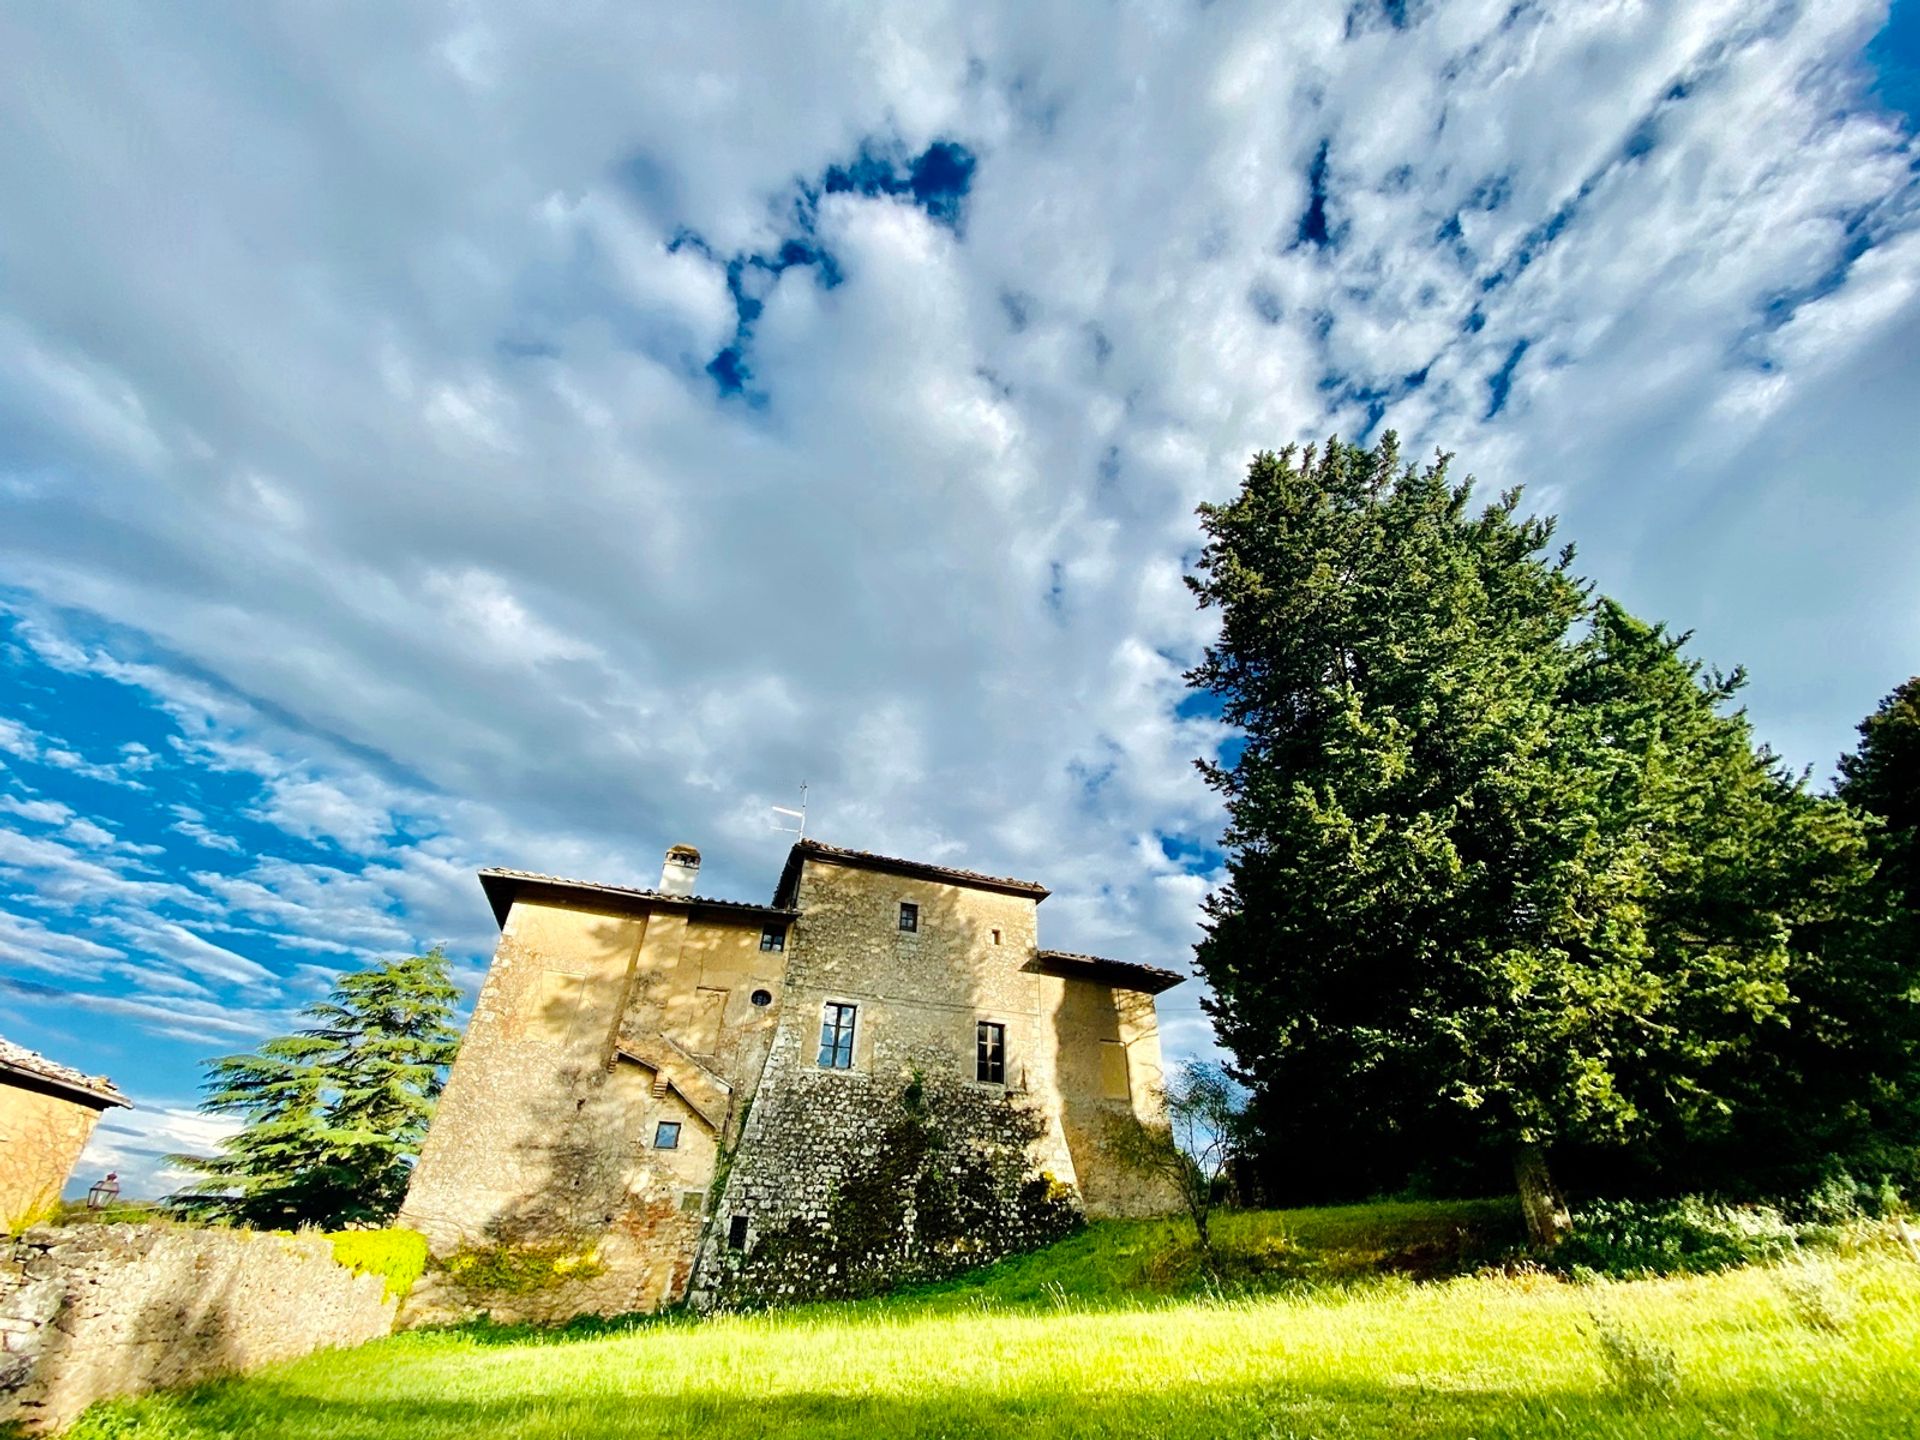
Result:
[[104, 1192]]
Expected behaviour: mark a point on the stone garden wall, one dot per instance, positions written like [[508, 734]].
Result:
[[92, 1311]]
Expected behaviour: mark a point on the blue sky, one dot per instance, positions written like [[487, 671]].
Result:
[[474, 437]]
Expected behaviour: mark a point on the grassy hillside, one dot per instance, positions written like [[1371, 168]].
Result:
[[1113, 1333], [1125, 1262]]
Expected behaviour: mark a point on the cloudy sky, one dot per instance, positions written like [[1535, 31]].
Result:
[[450, 435]]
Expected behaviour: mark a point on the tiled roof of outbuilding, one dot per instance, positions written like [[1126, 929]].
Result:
[[1121, 974], [502, 885], [17, 1060], [914, 869]]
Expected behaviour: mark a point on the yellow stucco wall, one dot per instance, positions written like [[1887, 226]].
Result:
[[1110, 1068], [41, 1137], [547, 1129]]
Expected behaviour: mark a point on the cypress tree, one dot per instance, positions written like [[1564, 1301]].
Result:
[[1504, 879]]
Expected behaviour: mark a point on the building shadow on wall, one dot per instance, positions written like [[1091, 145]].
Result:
[[90, 1350], [571, 1180]]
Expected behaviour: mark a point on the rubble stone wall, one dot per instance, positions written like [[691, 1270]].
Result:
[[905, 1165], [92, 1311]]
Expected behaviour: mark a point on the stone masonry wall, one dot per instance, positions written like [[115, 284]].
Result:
[[856, 1184], [903, 1166], [93, 1311]]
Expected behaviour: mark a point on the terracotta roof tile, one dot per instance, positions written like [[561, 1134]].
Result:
[[1121, 974], [500, 885], [18, 1060], [919, 869]]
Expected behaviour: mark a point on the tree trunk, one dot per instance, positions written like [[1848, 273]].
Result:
[[1541, 1202]]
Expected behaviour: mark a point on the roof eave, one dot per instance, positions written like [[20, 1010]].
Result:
[[1117, 974], [503, 887], [805, 850], [100, 1099]]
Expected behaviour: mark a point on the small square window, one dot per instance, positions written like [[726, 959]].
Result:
[[774, 937], [737, 1233], [909, 916], [666, 1135], [996, 937], [692, 1202], [990, 1053], [836, 1036]]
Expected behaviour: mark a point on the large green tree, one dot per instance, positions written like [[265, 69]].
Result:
[[1882, 777], [334, 1114], [1864, 1058], [1503, 876]]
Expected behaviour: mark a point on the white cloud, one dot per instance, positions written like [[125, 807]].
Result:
[[388, 440], [85, 832], [19, 741], [40, 812], [135, 1144], [192, 824], [320, 809]]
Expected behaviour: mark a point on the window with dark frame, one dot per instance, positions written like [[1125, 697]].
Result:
[[666, 1135], [909, 916], [774, 937], [737, 1233], [836, 1036], [990, 1053]]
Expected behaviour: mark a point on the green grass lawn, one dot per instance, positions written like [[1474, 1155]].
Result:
[[1323, 1329]]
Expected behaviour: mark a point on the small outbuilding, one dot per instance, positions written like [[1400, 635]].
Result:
[[47, 1111]]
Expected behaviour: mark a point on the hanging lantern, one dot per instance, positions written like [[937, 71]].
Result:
[[104, 1192]]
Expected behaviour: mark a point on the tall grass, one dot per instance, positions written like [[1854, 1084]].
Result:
[[1056, 1344]]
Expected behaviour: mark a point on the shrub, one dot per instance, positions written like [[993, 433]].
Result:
[[1641, 1369], [1687, 1236], [1815, 1296], [521, 1269], [398, 1257]]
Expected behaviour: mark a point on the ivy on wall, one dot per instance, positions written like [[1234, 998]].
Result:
[[938, 1182]]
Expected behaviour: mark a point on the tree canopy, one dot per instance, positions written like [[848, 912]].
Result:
[[334, 1114], [1507, 874], [1882, 778]]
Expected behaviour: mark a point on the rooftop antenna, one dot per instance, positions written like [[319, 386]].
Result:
[[799, 817]]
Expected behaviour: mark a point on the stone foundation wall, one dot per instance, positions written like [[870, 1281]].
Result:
[[93, 1311], [848, 1185], [641, 1261]]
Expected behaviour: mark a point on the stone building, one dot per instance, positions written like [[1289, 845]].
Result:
[[47, 1111], [880, 1075]]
